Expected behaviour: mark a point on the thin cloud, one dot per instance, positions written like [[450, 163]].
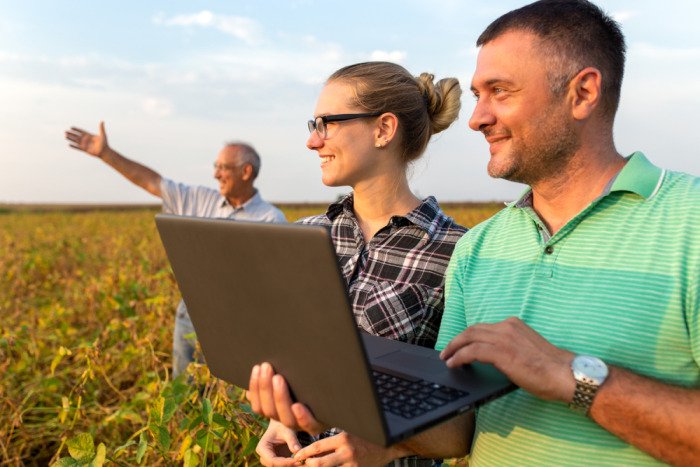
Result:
[[396, 56], [245, 29], [622, 16], [665, 53], [157, 107], [9, 57]]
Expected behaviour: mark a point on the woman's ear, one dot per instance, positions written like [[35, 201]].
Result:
[[386, 129], [585, 90]]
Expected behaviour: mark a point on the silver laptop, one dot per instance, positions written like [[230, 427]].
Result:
[[261, 292]]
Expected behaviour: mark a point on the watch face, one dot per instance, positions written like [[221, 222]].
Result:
[[590, 367]]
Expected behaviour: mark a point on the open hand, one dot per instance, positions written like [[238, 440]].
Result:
[[94, 145]]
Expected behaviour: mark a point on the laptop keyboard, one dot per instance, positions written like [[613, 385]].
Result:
[[410, 397]]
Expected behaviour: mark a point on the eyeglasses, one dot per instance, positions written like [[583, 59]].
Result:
[[226, 166], [319, 124]]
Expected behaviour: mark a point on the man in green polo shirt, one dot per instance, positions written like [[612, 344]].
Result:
[[585, 290]]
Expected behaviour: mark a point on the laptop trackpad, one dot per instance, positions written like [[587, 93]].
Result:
[[410, 362]]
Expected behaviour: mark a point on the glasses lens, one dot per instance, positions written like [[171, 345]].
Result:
[[321, 127], [318, 126], [223, 167]]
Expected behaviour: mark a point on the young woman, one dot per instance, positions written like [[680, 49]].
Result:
[[371, 121]]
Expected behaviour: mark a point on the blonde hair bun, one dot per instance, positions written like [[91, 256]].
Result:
[[442, 99]]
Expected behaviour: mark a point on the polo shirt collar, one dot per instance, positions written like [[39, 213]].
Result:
[[424, 216], [637, 176], [524, 200], [248, 205]]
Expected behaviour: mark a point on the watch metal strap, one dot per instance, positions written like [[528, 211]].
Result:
[[583, 397]]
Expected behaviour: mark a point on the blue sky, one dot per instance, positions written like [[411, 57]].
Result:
[[174, 80]]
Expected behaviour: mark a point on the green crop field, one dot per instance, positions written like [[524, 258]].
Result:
[[87, 303]]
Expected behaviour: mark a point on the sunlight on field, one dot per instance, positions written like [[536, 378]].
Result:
[[87, 303]]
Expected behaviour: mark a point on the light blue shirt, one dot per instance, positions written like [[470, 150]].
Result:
[[199, 201]]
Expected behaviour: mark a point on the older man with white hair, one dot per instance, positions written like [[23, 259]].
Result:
[[236, 168]]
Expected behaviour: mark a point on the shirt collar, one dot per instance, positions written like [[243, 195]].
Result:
[[425, 215], [252, 201], [524, 200], [343, 204], [637, 176]]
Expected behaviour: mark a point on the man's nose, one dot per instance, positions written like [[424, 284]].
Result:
[[482, 116]]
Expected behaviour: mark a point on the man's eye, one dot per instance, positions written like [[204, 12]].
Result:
[[476, 97]]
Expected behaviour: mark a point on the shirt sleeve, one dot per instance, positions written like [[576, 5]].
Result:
[[173, 196], [454, 317], [186, 200]]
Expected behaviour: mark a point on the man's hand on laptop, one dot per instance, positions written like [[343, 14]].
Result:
[[520, 352], [269, 396]]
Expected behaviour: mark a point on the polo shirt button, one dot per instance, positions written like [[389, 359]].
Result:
[[549, 249]]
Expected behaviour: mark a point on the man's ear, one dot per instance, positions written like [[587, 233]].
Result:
[[387, 127], [585, 90], [247, 172]]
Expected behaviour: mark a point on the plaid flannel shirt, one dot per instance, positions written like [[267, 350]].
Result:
[[396, 280]]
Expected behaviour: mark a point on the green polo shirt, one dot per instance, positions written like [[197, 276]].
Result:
[[618, 281]]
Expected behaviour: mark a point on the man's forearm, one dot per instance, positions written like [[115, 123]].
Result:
[[657, 418], [138, 174], [450, 439]]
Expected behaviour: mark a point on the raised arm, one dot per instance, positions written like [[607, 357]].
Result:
[[97, 145]]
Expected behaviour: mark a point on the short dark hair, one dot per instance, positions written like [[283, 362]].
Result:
[[574, 34]]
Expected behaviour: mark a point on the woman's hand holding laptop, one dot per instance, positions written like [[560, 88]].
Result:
[[269, 396]]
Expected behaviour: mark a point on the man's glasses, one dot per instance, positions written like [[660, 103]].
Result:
[[320, 124], [223, 167]]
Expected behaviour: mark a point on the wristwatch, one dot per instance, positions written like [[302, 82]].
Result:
[[590, 373]]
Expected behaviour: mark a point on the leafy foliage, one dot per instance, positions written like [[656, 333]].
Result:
[[87, 304]]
